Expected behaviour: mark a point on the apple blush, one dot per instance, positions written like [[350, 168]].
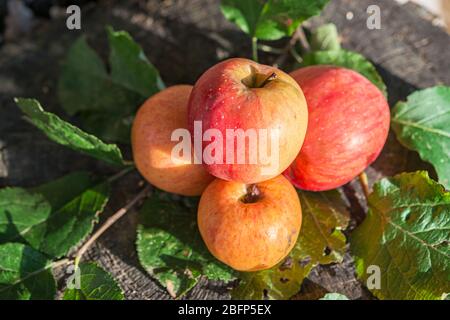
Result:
[[250, 227], [347, 127], [242, 95]]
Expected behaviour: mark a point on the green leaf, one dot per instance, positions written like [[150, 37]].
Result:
[[325, 38], [170, 247], [346, 59], [406, 234], [245, 14], [25, 274], [52, 218], [321, 241], [20, 209], [68, 135], [271, 19], [108, 126], [422, 124], [334, 296], [94, 284], [130, 68], [106, 101]]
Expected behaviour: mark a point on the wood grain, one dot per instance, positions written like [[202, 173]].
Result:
[[183, 39]]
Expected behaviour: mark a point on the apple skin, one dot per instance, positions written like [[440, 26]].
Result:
[[348, 127], [250, 236], [151, 142], [221, 100]]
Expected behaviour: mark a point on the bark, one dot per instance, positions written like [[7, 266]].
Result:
[[183, 39]]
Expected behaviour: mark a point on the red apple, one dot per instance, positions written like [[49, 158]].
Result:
[[348, 126], [250, 227], [242, 94]]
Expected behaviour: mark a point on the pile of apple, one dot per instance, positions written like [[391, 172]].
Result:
[[332, 124]]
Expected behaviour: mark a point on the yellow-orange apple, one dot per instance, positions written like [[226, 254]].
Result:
[[250, 227], [241, 97], [151, 134]]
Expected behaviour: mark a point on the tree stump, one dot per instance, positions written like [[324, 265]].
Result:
[[183, 39]]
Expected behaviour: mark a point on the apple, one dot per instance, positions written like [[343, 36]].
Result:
[[250, 227], [152, 146], [348, 126], [242, 95]]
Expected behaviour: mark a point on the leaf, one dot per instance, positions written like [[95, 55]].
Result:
[[272, 19], [325, 38], [245, 14], [334, 296], [52, 218], [346, 59], [94, 284], [106, 101], [25, 274], [422, 124], [406, 234], [20, 209], [321, 241], [130, 67], [170, 247], [68, 135], [108, 126]]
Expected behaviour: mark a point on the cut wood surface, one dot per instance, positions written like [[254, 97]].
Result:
[[183, 39]]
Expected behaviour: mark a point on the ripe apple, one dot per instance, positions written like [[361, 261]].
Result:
[[242, 94], [152, 147], [250, 227], [348, 126]]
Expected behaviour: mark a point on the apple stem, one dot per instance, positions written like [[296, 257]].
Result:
[[252, 195], [271, 77], [364, 184], [255, 49]]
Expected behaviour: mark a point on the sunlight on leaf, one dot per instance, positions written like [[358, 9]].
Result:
[[54, 217], [94, 284], [422, 124], [25, 274], [67, 134], [272, 19], [406, 234], [170, 247]]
